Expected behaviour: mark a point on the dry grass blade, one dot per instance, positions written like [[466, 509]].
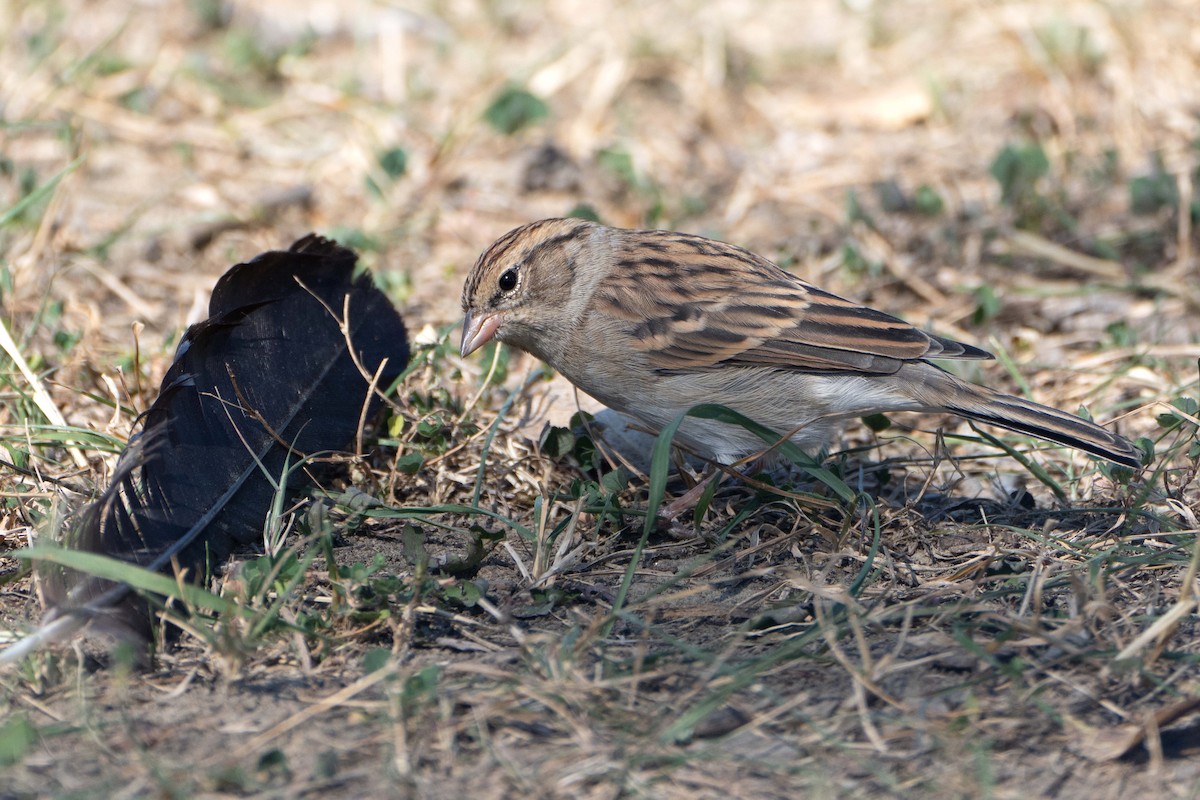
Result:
[[1030, 244], [41, 397], [1112, 744]]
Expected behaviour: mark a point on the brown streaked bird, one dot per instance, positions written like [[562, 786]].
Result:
[[652, 323]]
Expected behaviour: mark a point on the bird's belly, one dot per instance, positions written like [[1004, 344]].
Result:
[[808, 407]]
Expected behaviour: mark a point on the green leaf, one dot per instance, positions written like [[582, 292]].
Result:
[[465, 592], [615, 481], [705, 501], [273, 765], [394, 162], [422, 685], [514, 109], [1122, 333], [877, 422], [557, 441], [376, 659], [17, 735], [414, 547], [927, 201], [395, 426], [618, 162], [1158, 190], [1171, 420], [279, 570], [1017, 169], [410, 463], [355, 239]]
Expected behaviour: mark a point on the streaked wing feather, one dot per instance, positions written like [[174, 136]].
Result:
[[716, 304]]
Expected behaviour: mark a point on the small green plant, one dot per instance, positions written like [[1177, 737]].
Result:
[[272, 768], [514, 109], [584, 211], [858, 265], [1189, 411], [1154, 191], [17, 736], [856, 211], [987, 305], [392, 164], [618, 163], [394, 161], [573, 441], [1071, 47], [927, 201], [1121, 333], [139, 100], [247, 53], [1020, 169], [1159, 189]]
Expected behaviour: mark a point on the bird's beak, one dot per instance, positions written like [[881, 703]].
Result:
[[477, 332]]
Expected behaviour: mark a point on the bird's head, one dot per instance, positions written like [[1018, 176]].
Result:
[[519, 290]]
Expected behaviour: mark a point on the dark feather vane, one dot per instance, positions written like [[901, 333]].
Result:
[[267, 379]]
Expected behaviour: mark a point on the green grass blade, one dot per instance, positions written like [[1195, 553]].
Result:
[[660, 466], [869, 562], [136, 577], [38, 194], [1035, 469]]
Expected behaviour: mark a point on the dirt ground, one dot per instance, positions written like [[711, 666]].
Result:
[[974, 624]]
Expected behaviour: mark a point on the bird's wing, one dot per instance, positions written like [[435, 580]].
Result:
[[692, 304]]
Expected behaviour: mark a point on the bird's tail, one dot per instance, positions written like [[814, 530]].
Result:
[[985, 405]]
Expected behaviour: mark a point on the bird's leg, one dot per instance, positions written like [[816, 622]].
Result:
[[688, 499], [741, 469]]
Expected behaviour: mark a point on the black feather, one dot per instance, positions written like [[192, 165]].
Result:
[[267, 379]]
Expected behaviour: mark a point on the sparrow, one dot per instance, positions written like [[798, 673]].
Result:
[[652, 323]]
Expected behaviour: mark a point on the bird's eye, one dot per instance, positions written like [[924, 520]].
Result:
[[508, 281]]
